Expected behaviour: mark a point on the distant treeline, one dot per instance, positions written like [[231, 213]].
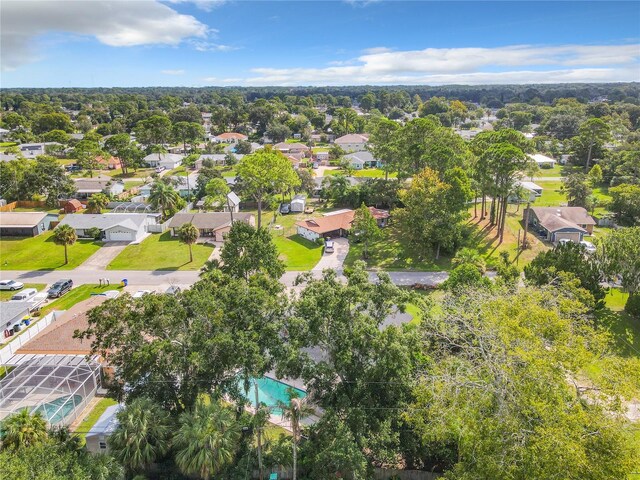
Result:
[[490, 95]]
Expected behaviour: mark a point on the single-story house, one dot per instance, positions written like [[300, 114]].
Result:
[[111, 163], [216, 158], [184, 185], [336, 224], [543, 161], [85, 187], [291, 148], [230, 137], [353, 142], [534, 191], [558, 223], [25, 224], [209, 224], [72, 206], [297, 160], [96, 438], [57, 338], [166, 160], [32, 150], [322, 156], [360, 160], [298, 203], [120, 227]]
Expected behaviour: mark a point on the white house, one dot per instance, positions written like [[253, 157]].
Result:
[[322, 156], [230, 137], [534, 190], [32, 150], [166, 160], [360, 160], [114, 227], [353, 142], [298, 203], [543, 161], [3, 132], [85, 187]]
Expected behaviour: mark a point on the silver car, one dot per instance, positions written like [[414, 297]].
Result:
[[11, 285]]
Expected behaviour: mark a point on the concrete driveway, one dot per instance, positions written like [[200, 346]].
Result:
[[99, 260], [334, 260]]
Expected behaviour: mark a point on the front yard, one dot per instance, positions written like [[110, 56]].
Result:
[[40, 253], [366, 172], [77, 294], [161, 252], [6, 294]]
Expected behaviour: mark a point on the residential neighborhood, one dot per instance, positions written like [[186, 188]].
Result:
[[400, 253]]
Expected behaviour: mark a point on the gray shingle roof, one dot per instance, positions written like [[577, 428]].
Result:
[[104, 221]]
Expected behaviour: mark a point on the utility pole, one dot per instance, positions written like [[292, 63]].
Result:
[[518, 249], [258, 431]]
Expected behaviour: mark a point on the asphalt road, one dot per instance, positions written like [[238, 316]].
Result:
[[145, 278]]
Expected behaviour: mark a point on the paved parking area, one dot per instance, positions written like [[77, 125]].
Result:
[[334, 260], [103, 257]]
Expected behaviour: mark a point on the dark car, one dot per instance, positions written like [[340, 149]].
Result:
[[285, 208], [60, 288]]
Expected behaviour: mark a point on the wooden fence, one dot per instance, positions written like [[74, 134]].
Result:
[[10, 207]]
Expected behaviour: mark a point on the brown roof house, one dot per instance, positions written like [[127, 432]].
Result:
[[57, 338], [72, 206], [110, 163], [335, 224], [559, 223], [230, 137], [214, 225]]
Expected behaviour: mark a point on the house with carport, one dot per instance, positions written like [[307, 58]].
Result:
[[560, 223], [210, 225]]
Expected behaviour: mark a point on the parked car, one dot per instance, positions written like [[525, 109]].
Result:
[[563, 241], [73, 168], [328, 246], [160, 169], [172, 290], [309, 210], [10, 285], [23, 296], [141, 293], [314, 166], [588, 246], [285, 208], [60, 288]]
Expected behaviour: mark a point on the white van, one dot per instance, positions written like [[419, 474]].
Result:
[[24, 295]]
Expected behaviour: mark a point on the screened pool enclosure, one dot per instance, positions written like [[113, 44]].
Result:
[[57, 386]]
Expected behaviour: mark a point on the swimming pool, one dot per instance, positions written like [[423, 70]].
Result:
[[270, 391], [52, 411]]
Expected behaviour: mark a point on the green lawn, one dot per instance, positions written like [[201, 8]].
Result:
[[95, 414], [6, 294], [40, 253], [297, 253], [78, 294], [551, 195], [161, 252], [367, 172], [393, 252]]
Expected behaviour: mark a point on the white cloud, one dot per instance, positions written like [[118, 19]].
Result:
[[113, 23], [206, 5], [172, 72], [206, 46], [510, 64]]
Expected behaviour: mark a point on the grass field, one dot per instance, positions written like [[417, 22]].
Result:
[[551, 194], [6, 294], [161, 252], [40, 253], [367, 172], [393, 252], [297, 253], [95, 414], [76, 295]]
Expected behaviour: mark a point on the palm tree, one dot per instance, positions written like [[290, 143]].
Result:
[[97, 202], [188, 233], [206, 440], [164, 197], [64, 235], [469, 256], [142, 435], [294, 411], [23, 429]]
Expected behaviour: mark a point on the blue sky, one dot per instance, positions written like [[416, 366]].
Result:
[[95, 43]]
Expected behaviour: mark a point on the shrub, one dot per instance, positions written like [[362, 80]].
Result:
[[632, 307], [546, 166], [94, 233], [320, 241]]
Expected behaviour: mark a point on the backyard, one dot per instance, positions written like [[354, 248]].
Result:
[[94, 415], [161, 252], [41, 253]]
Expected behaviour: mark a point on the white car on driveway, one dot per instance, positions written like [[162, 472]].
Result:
[[10, 285], [588, 247], [141, 293]]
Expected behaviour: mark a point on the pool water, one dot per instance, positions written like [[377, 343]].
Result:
[[270, 391], [52, 411]]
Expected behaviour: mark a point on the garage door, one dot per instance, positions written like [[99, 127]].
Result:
[[120, 236]]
